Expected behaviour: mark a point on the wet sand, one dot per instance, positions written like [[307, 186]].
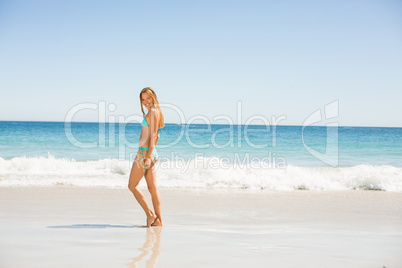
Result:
[[100, 227]]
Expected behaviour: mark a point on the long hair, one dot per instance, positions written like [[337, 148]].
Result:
[[152, 94]]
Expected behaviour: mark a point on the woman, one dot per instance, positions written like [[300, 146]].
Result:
[[146, 157]]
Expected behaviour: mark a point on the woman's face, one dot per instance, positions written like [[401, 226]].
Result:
[[146, 100]]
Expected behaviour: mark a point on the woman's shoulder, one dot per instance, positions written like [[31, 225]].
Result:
[[154, 111]]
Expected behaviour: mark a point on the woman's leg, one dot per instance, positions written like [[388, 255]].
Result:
[[135, 176], [150, 177]]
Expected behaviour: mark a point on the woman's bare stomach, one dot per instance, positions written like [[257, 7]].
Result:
[[144, 138]]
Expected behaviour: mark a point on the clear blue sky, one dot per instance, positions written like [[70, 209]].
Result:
[[277, 57]]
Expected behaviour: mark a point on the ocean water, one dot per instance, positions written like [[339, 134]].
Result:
[[281, 158]]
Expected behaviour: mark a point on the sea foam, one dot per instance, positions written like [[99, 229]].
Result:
[[197, 173]]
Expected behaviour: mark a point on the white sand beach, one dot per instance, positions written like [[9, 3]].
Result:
[[101, 227]]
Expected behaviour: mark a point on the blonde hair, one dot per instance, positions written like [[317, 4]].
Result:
[[152, 94]]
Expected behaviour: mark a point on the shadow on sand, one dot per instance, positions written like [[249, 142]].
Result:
[[94, 226]]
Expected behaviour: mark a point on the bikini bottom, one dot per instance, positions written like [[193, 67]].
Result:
[[142, 149]]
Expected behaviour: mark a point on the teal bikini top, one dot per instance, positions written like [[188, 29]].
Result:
[[145, 123]]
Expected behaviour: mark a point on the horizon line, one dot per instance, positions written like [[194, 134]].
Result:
[[42, 121]]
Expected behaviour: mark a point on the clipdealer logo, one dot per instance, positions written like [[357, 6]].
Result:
[[112, 123]]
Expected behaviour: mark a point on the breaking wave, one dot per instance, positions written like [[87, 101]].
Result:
[[202, 172]]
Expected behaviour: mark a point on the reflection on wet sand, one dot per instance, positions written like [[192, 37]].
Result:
[[152, 243]]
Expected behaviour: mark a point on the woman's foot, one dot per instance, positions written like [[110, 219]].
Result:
[[151, 219], [157, 222]]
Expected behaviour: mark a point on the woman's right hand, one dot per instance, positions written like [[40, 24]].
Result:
[[147, 162]]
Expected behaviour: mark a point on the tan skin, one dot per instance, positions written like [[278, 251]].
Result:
[[148, 138]]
